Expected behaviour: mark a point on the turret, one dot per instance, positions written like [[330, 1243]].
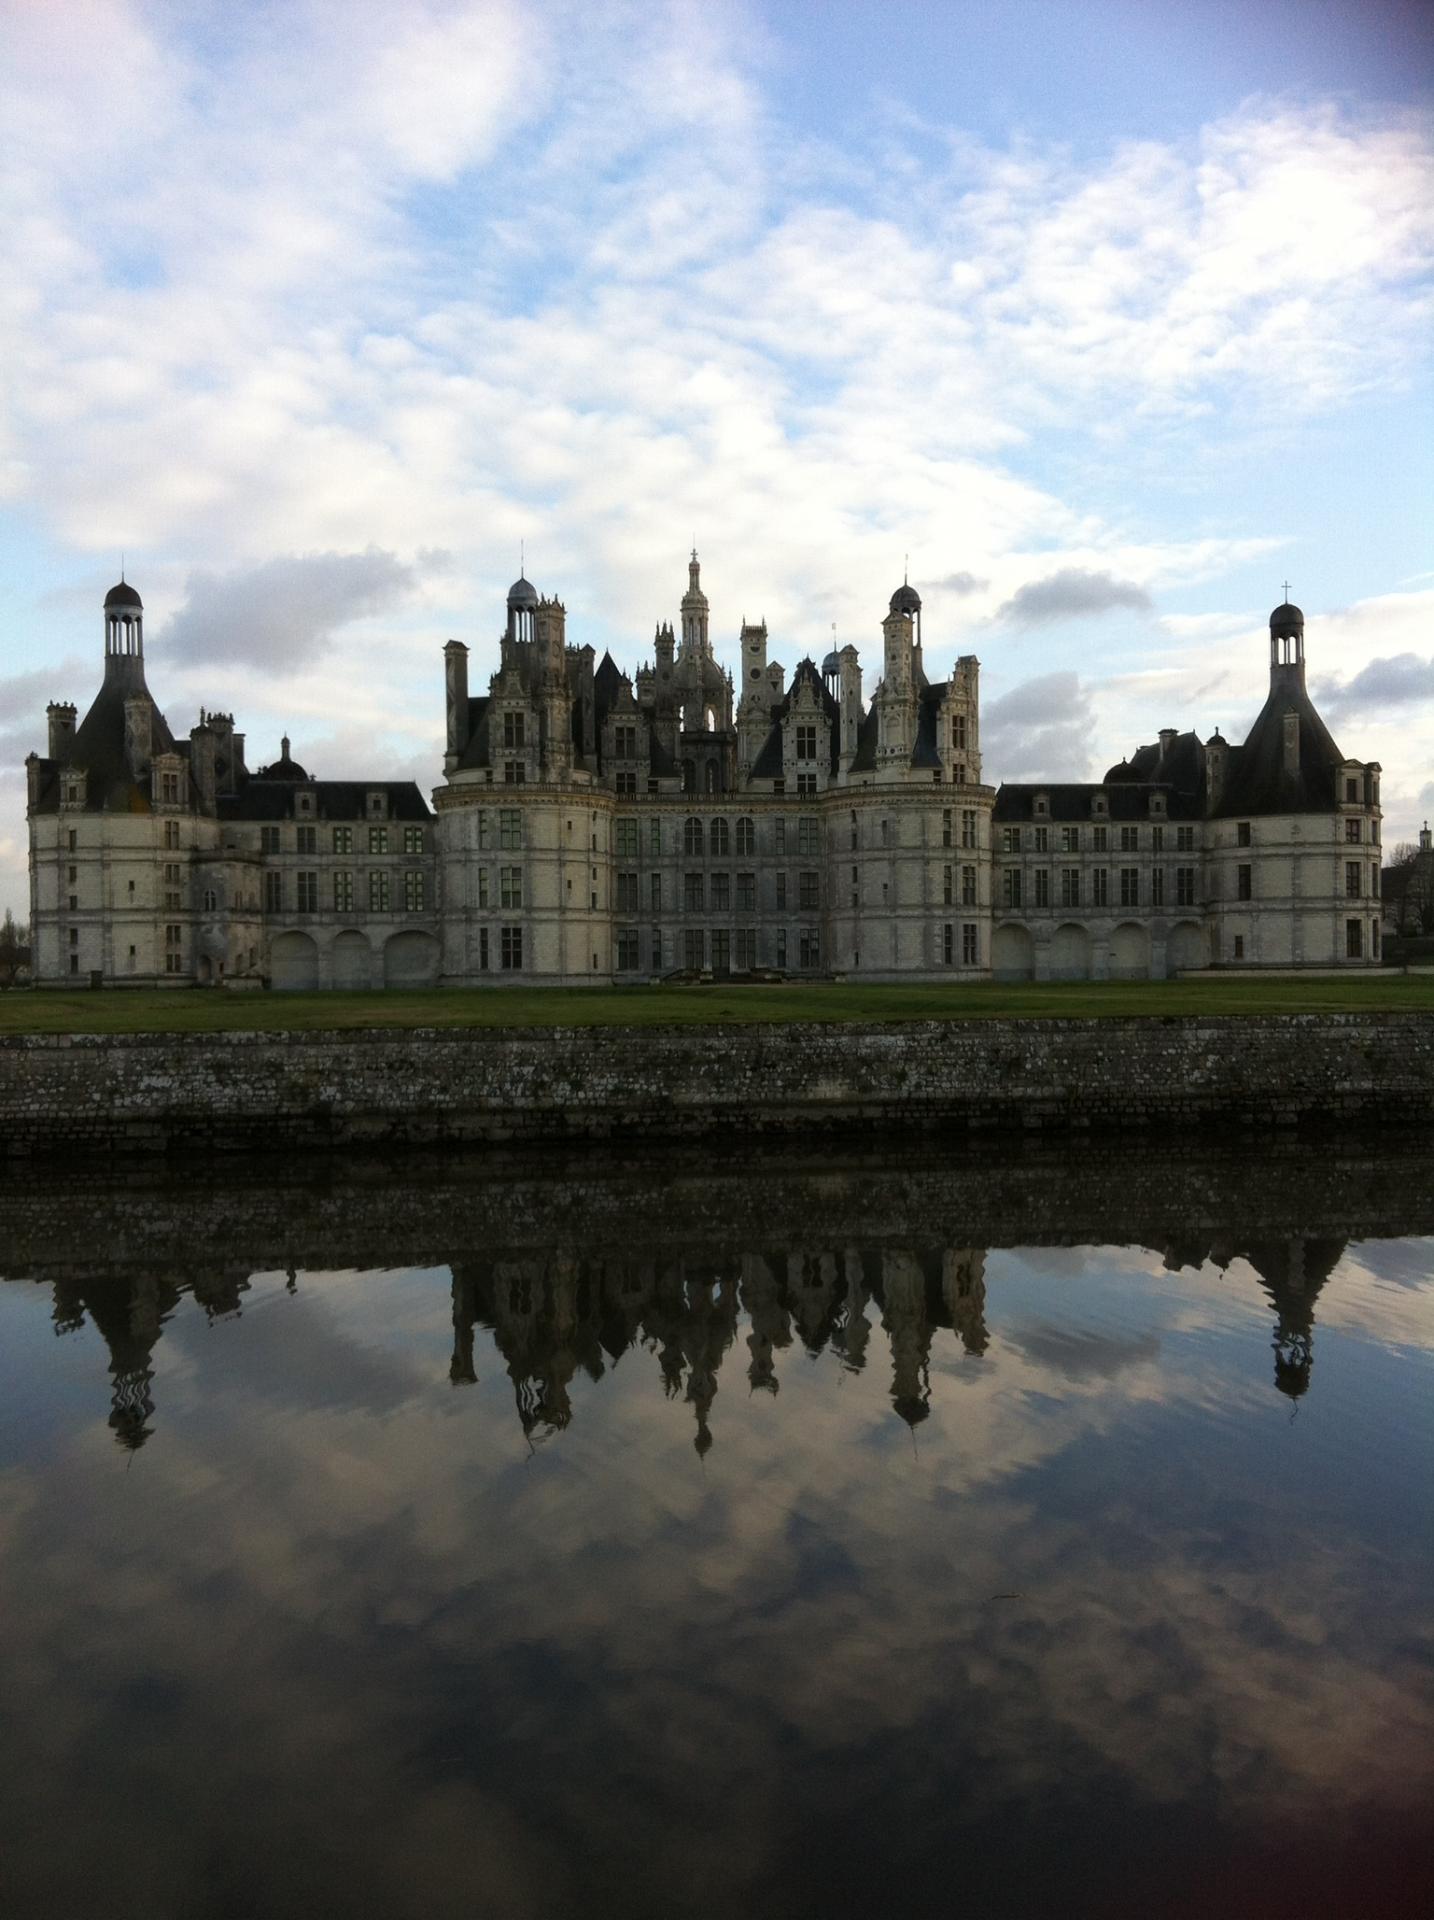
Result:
[[61, 716], [124, 637], [455, 682], [203, 756], [1216, 764], [555, 700], [849, 662], [694, 611]]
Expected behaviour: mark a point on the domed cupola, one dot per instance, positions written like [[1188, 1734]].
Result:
[[906, 599], [124, 623], [522, 604], [1287, 639]]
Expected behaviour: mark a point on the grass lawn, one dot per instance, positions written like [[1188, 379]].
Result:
[[212, 1010]]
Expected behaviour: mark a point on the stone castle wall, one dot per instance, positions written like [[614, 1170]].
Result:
[[81, 1094]]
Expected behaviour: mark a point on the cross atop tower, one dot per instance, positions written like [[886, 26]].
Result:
[[1287, 593]]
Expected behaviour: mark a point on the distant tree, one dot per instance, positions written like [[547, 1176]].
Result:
[[14, 950]]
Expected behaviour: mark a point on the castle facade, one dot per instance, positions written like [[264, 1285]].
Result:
[[594, 827]]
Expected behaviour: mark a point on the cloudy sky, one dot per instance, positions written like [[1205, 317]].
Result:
[[1112, 317]]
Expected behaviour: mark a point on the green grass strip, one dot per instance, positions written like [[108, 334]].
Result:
[[216, 1011]]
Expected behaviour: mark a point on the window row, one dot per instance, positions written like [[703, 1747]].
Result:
[[1096, 839], [306, 839], [1078, 886], [341, 892], [717, 949]]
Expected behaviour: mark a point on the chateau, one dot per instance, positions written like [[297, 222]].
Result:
[[593, 826]]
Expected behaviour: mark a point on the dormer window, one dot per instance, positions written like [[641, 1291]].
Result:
[[1043, 805], [1099, 805], [377, 805], [1157, 804], [306, 803]]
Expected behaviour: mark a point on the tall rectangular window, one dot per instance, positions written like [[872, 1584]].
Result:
[[515, 773], [779, 836], [510, 888], [721, 950], [1130, 886], [746, 893], [719, 839], [692, 893], [378, 839], [413, 839], [1352, 877], [343, 839], [958, 731], [511, 949], [694, 949], [1129, 839], [968, 886], [806, 743], [1352, 829], [654, 887], [510, 827], [1042, 840], [1185, 839], [1010, 839], [809, 946], [627, 948], [746, 836], [1242, 833], [657, 950], [947, 880], [413, 889], [721, 892], [625, 840], [171, 835], [1185, 886], [343, 892], [654, 839], [1157, 886], [948, 944], [968, 826], [808, 892], [1070, 839], [306, 839], [308, 886], [744, 956], [1354, 939], [809, 842], [970, 946], [1100, 839], [1244, 883], [269, 839], [1100, 886], [945, 827], [1157, 839], [483, 949], [781, 890], [780, 944], [1043, 886], [483, 887], [513, 732], [1070, 886], [626, 893], [273, 893], [485, 840], [1011, 887], [378, 890]]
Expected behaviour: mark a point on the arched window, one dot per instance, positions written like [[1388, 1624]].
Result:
[[721, 840], [692, 836], [211, 900]]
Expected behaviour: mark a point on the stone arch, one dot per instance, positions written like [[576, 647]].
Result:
[[1070, 953], [1013, 954], [1130, 952], [293, 962], [1185, 947], [410, 959], [351, 960]]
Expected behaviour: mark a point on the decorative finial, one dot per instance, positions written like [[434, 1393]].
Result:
[[522, 561], [906, 569], [121, 564], [1287, 593]]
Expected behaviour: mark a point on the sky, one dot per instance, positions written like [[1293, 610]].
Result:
[[1104, 319]]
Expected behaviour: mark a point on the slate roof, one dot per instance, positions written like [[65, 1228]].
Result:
[[768, 763], [1069, 801], [1255, 779], [334, 800], [98, 746]]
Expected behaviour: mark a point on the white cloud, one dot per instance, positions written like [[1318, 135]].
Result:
[[407, 277]]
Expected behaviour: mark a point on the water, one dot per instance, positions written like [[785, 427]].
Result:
[[824, 1535]]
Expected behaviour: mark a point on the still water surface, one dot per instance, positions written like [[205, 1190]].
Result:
[[835, 1535]]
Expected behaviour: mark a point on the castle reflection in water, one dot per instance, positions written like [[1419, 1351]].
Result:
[[703, 1318]]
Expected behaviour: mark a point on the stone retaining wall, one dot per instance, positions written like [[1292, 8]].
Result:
[[83, 1094]]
